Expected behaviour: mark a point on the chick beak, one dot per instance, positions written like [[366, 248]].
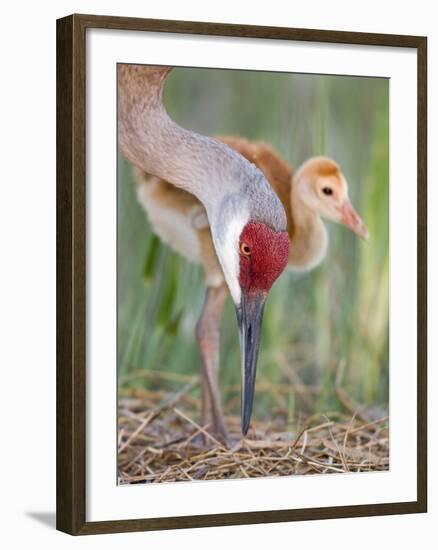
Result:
[[249, 316], [351, 219]]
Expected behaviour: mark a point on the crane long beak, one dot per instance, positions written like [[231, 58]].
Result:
[[351, 219], [249, 316]]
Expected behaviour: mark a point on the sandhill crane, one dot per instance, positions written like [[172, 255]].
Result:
[[246, 218], [317, 189]]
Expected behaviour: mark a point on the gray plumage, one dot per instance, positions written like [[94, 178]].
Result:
[[224, 181]]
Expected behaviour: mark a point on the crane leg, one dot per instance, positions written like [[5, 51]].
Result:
[[208, 339]]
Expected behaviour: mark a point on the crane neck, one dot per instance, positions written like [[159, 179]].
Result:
[[204, 167], [309, 238]]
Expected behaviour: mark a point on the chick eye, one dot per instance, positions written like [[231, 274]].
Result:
[[327, 190], [245, 249]]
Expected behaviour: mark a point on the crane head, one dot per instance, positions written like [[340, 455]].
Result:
[[263, 255], [252, 256], [324, 189]]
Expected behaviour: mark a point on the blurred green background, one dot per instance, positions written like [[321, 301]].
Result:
[[323, 330]]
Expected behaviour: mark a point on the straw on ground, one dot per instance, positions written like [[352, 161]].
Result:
[[160, 440]]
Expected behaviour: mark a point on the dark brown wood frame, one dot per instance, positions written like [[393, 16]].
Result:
[[71, 269]]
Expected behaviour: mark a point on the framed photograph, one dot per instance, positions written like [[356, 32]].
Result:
[[241, 274]]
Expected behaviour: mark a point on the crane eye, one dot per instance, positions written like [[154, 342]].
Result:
[[327, 190], [245, 249]]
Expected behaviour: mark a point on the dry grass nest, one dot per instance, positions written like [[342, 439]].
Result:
[[160, 440]]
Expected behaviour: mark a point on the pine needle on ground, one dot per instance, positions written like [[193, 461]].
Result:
[[160, 440]]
